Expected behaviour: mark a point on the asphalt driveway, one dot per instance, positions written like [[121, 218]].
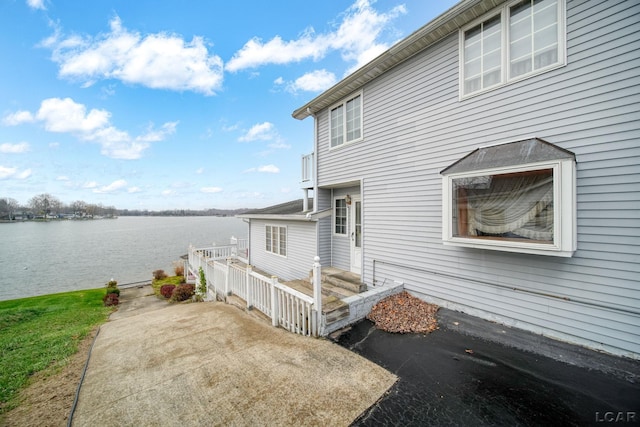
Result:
[[472, 372], [206, 364]]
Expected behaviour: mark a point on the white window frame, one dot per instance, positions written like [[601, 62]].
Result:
[[503, 11], [346, 216], [343, 104], [564, 215], [276, 247]]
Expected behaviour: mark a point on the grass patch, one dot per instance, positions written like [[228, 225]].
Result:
[[41, 333], [156, 284]]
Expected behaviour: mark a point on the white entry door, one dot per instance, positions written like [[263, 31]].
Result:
[[356, 235]]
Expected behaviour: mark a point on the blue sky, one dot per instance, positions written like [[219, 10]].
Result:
[[154, 105]]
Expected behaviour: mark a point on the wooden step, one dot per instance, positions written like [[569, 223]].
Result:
[[345, 280], [334, 310]]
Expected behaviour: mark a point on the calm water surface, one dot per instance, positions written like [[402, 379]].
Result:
[[38, 258]]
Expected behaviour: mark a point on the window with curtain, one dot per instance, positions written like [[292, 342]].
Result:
[[519, 39], [515, 206], [516, 197], [346, 121]]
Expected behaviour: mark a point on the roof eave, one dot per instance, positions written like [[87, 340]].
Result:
[[437, 29]]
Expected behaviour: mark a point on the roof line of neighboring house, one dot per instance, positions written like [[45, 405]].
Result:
[[442, 26]]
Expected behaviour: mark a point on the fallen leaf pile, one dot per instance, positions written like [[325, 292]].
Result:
[[403, 313]]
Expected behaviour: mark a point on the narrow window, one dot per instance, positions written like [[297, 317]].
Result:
[[483, 55], [340, 217], [345, 121]]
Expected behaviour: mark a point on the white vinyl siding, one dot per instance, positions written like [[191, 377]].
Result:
[[416, 126], [301, 247]]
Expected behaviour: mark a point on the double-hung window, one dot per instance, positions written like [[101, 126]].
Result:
[[521, 39], [276, 239], [516, 197], [346, 121]]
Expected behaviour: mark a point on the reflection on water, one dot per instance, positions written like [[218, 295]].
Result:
[[39, 258]]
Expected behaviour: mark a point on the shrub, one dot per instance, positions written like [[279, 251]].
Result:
[[159, 274], [167, 290], [113, 290], [112, 283], [110, 300], [183, 292], [178, 268]]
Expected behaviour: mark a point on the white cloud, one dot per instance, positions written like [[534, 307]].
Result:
[[355, 38], [54, 145], [90, 184], [133, 190], [21, 147], [111, 188], [18, 118], [36, 4], [264, 169], [315, 81], [62, 178], [211, 189], [14, 173], [169, 193], [259, 132], [157, 61], [67, 116], [199, 171]]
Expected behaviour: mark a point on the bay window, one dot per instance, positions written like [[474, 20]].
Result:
[[499, 198]]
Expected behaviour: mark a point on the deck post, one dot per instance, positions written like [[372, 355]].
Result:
[[249, 270], [227, 279], [317, 289], [274, 302]]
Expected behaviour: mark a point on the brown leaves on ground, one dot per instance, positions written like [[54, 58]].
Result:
[[403, 313]]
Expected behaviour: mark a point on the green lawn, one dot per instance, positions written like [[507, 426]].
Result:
[[42, 333]]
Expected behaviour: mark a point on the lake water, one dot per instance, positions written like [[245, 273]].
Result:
[[38, 258]]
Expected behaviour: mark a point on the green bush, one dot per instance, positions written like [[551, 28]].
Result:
[[113, 290]]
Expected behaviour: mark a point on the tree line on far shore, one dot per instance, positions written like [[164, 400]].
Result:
[[46, 206]]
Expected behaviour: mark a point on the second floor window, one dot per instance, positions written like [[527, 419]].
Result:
[[524, 38], [346, 121]]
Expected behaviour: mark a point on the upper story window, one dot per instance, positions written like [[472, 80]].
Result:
[[346, 121], [521, 39], [516, 197]]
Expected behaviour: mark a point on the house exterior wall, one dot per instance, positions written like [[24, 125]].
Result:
[[301, 244], [415, 125]]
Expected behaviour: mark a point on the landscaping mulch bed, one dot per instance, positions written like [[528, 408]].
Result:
[[403, 313]]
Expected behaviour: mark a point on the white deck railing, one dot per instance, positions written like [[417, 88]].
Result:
[[307, 171], [286, 307]]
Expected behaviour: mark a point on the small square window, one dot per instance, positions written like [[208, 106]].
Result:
[[276, 239]]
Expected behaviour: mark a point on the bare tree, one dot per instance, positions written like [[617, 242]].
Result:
[[43, 204], [7, 207]]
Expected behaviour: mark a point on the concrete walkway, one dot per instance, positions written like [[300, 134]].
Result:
[[205, 364]]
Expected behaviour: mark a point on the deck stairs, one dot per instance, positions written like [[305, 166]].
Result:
[[336, 285]]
